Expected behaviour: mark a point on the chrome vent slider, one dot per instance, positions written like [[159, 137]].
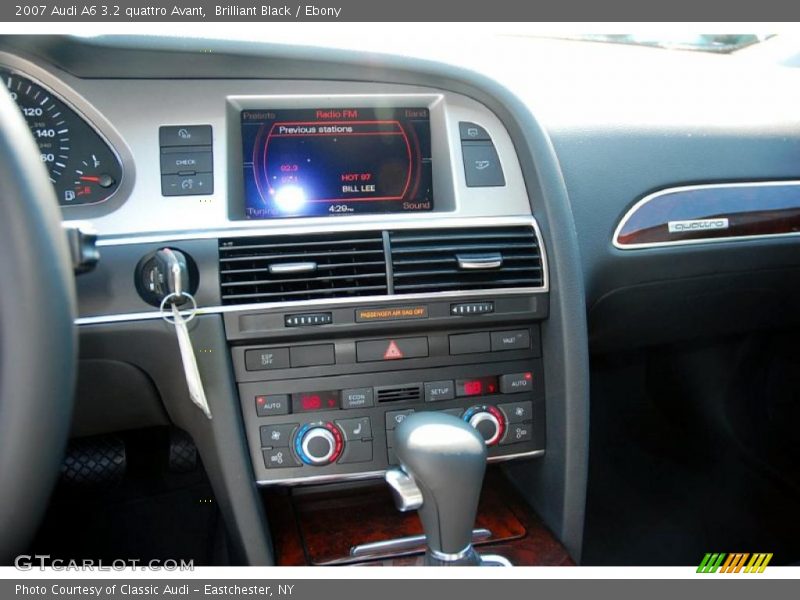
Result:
[[472, 262]]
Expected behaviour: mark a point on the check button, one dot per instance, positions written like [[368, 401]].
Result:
[[173, 163]]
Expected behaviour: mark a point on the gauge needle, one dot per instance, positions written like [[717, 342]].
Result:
[[89, 178]]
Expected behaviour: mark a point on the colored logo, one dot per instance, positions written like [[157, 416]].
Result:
[[739, 562]]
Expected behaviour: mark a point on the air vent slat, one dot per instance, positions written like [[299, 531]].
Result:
[[466, 246], [292, 255], [426, 261], [430, 273], [267, 282], [350, 264], [380, 266], [533, 258]]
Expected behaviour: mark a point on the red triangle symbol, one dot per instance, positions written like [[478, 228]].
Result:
[[392, 352]]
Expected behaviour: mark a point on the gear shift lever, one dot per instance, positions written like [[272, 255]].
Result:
[[442, 460]]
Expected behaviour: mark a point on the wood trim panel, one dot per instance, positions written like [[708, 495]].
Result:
[[319, 526], [714, 212]]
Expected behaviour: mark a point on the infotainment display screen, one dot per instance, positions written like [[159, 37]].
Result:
[[336, 161]]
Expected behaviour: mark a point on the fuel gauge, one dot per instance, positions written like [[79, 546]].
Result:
[[92, 183]]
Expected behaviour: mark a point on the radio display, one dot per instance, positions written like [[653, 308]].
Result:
[[336, 161]]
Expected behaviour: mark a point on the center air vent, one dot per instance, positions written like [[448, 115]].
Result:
[[403, 393], [447, 260], [292, 268]]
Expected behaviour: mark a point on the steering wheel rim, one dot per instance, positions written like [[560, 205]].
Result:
[[38, 342]]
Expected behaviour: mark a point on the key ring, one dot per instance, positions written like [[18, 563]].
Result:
[[167, 317]]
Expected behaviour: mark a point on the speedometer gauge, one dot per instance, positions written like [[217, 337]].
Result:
[[69, 147]]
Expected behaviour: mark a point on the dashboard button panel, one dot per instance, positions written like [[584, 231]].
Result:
[[340, 419], [187, 160]]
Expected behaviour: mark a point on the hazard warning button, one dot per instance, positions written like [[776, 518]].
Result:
[[391, 349]]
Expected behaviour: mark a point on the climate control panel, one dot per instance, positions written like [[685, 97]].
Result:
[[337, 427]]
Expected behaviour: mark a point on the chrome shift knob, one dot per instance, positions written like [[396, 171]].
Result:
[[443, 460]]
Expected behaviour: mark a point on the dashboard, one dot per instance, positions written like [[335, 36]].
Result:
[[357, 251], [367, 239]]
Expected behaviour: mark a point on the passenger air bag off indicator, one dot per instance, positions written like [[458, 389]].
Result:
[[391, 313]]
